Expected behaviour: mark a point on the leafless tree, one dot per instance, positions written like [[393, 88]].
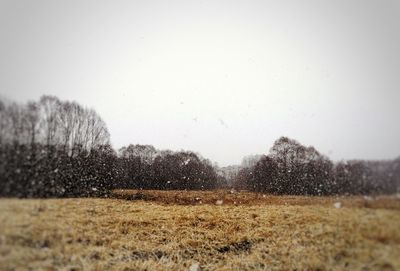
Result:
[[50, 110]]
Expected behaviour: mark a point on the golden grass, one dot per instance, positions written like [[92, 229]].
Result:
[[275, 233], [232, 197]]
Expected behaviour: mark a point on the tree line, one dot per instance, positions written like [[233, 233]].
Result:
[[55, 148], [293, 169]]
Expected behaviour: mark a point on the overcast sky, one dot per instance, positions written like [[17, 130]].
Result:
[[223, 78]]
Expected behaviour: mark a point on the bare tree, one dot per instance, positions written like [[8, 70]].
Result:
[[98, 133], [32, 121], [146, 153], [50, 110], [4, 122]]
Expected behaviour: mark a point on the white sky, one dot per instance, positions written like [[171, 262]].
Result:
[[224, 78]]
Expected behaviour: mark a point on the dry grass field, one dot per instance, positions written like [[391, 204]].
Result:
[[174, 230]]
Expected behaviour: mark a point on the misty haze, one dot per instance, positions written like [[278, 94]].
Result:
[[199, 135]]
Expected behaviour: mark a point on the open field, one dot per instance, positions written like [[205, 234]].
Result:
[[232, 197], [246, 232]]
